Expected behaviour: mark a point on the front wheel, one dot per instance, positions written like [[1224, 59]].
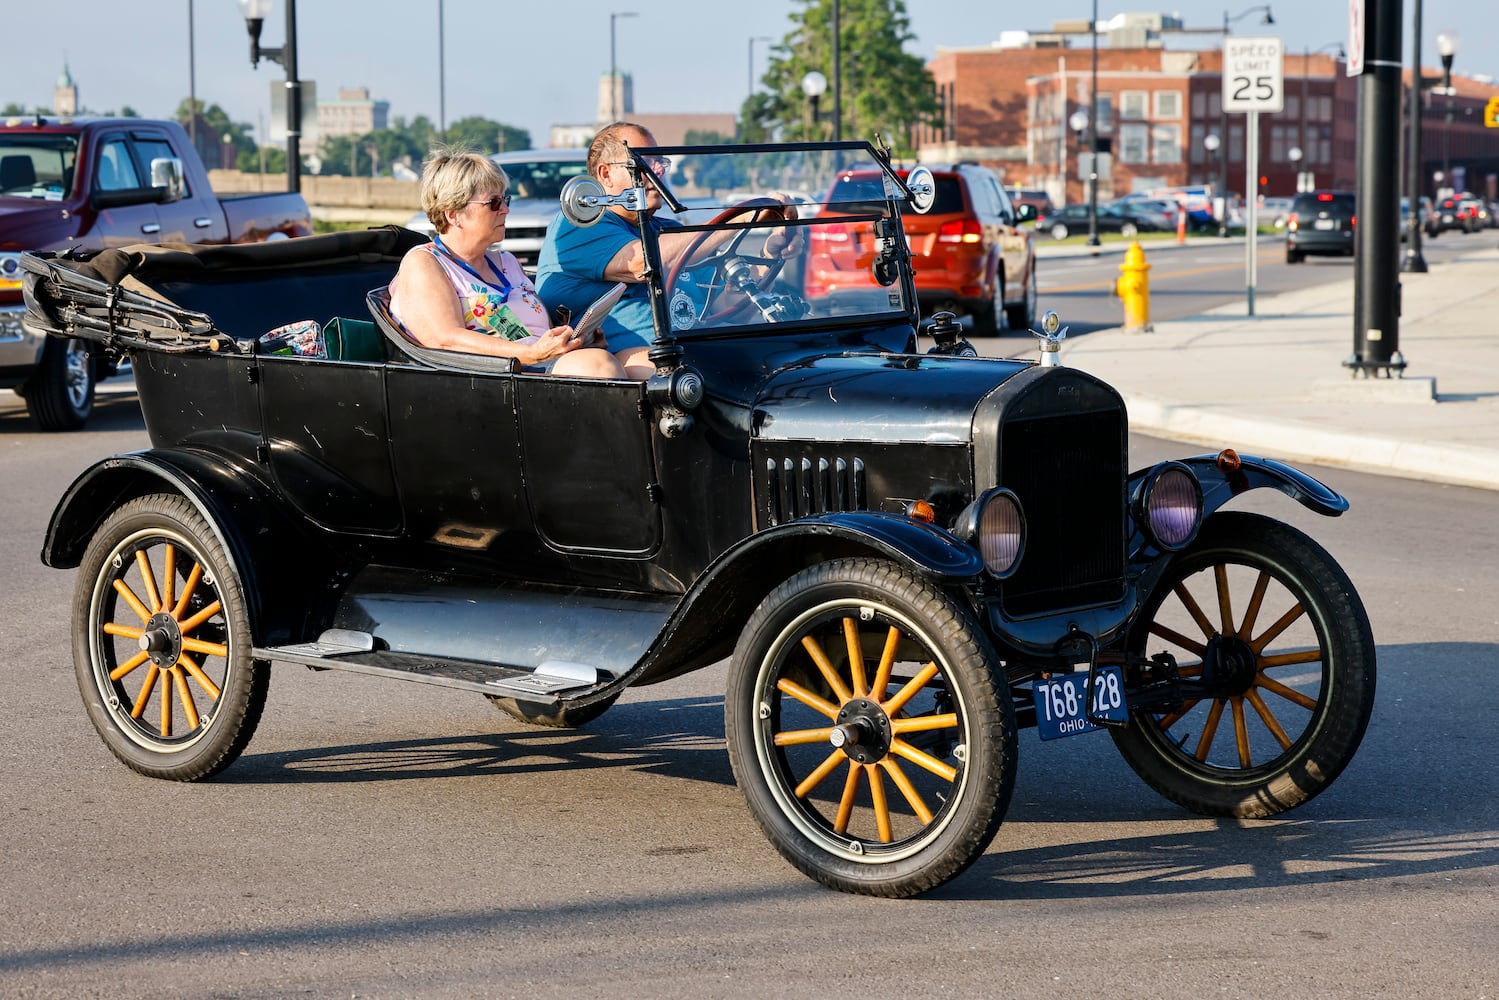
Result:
[[1270, 626], [161, 642], [1129, 230], [60, 395], [1059, 231], [866, 729]]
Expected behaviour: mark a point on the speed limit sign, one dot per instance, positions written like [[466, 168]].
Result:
[[1253, 74]]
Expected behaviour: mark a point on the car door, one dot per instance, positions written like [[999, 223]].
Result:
[[1014, 244], [196, 217], [125, 205]]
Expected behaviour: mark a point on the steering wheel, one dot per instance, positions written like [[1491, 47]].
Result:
[[719, 258]]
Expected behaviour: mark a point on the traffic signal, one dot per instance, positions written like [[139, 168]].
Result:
[[1491, 113]]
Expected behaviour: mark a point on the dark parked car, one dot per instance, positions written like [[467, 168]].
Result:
[[1321, 223], [971, 251], [1454, 212], [1073, 219], [906, 556]]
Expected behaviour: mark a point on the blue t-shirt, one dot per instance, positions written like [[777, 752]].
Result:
[[570, 272]]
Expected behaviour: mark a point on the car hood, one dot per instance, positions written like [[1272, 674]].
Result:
[[876, 397], [28, 224]]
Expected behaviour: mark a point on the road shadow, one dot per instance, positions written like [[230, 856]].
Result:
[[113, 411]]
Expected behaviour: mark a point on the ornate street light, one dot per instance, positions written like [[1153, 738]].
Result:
[[1212, 144], [814, 85], [1448, 42], [256, 11]]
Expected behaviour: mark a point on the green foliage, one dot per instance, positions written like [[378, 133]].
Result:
[[705, 137], [275, 160], [884, 88], [485, 136]]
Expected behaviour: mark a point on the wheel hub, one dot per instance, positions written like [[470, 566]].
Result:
[[1229, 665], [162, 638], [862, 731]]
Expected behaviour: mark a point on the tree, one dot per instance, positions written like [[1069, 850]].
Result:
[[884, 88], [485, 136]]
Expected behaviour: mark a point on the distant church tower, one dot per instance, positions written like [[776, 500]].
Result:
[[618, 101], [65, 94]]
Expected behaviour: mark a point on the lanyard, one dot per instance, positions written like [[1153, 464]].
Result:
[[504, 285]]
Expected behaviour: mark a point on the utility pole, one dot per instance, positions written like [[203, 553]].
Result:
[[1376, 278], [1414, 261]]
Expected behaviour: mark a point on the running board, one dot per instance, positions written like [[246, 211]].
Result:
[[342, 649]]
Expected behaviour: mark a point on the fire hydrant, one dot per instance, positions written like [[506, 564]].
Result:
[[1133, 288]]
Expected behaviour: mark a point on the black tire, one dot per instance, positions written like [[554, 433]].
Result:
[[60, 394], [780, 713], [1294, 256], [1023, 315], [160, 552], [1059, 231], [1313, 656], [1129, 230], [553, 716], [986, 315]]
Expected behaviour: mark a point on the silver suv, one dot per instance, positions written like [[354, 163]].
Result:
[[536, 179]]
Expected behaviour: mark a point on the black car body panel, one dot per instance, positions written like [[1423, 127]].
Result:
[[1321, 224]]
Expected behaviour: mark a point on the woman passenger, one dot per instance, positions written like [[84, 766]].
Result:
[[453, 294]]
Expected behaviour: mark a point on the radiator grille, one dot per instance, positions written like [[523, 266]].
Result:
[[797, 487], [1068, 471]]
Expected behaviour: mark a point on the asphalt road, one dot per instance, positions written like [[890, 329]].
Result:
[[1189, 280], [381, 839]]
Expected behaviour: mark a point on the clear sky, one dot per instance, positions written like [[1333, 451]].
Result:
[[535, 63]]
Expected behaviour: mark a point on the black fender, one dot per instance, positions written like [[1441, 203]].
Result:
[[706, 623], [287, 574], [1223, 479]]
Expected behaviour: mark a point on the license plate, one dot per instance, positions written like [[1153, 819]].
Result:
[[1325, 224], [1061, 702]]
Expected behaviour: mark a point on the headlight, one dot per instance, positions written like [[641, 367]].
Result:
[[10, 271], [1168, 506], [996, 525]]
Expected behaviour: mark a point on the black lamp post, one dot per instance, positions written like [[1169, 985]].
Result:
[[255, 12], [814, 85], [1448, 43], [1306, 59], [1223, 175], [1093, 138], [1214, 145], [744, 134], [613, 73], [1414, 261], [837, 74]]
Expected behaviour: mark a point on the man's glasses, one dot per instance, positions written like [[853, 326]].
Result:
[[494, 202], [659, 165]]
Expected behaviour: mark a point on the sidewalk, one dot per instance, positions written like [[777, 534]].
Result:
[[1273, 384]]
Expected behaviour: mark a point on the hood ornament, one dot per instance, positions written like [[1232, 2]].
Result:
[[1051, 335]]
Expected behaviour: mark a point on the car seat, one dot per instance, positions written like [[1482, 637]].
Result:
[[17, 173]]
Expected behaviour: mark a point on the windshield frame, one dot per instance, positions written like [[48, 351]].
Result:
[[898, 194]]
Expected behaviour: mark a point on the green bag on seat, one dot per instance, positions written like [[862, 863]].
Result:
[[353, 340]]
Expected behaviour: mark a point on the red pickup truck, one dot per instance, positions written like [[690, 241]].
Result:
[[98, 183]]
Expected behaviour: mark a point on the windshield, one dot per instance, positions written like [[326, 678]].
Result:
[[758, 235], [37, 166]]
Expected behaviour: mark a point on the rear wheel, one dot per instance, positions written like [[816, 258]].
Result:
[[60, 395], [866, 729], [1129, 230], [161, 643], [1023, 316], [1059, 231], [1265, 618], [1294, 256]]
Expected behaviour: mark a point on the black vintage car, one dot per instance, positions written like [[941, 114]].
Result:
[[908, 556]]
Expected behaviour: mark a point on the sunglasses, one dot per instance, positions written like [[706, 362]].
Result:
[[659, 165], [494, 202]]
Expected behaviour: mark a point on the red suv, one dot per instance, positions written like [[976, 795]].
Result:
[[969, 252]]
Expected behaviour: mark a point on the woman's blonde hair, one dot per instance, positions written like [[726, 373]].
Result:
[[451, 176]]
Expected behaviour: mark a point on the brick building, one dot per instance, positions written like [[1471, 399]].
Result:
[[1011, 107]]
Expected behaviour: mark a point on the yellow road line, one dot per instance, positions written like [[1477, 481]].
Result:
[[1188, 273]]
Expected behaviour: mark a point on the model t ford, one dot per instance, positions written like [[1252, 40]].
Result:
[[908, 556]]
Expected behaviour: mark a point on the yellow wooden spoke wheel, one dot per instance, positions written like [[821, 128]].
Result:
[[867, 730], [1278, 659], [163, 651]]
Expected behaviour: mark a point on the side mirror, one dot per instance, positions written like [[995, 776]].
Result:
[[581, 202], [923, 188], [1025, 213], [166, 176]]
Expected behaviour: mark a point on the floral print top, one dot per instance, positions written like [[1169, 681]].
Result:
[[502, 303]]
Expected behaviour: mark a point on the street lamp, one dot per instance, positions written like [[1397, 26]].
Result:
[[442, 78], [1212, 143], [614, 73], [751, 97], [1294, 154], [1306, 59], [1414, 261], [814, 85], [837, 74], [1223, 174], [1078, 122], [1093, 136], [1448, 42], [256, 11]]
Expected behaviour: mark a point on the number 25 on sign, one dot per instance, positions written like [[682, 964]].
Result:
[[1253, 74]]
